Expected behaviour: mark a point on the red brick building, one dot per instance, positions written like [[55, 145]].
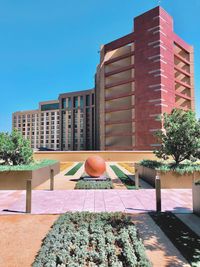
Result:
[[140, 76]]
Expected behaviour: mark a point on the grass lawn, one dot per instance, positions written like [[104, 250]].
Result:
[[92, 239], [183, 238], [123, 177], [30, 167], [82, 184], [74, 169]]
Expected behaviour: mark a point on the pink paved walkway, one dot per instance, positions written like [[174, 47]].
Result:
[[60, 201]]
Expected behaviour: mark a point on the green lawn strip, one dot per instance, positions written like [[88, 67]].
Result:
[[30, 167], [74, 169], [92, 239], [123, 177], [183, 238], [81, 184]]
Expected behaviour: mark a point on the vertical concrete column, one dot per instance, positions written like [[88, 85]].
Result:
[[28, 195], [45, 126], [55, 130], [51, 179], [137, 176], [35, 131]]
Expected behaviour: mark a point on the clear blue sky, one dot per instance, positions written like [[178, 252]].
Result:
[[51, 46]]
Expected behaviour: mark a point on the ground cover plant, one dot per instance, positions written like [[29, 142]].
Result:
[[123, 177], [15, 149], [182, 168], [74, 169], [92, 239], [84, 184], [183, 238], [28, 167]]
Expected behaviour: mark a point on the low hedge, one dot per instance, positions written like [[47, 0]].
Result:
[[182, 168], [82, 184], [92, 239]]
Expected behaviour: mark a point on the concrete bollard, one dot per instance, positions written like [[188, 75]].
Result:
[[52, 180], [28, 195], [158, 193], [136, 177]]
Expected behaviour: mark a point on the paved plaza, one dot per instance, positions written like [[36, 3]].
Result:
[[130, 201]]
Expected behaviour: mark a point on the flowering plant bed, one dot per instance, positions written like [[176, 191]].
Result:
[[84, 184], [92, 239]]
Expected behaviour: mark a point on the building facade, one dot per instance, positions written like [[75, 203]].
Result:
[[140, 76], [40, 126], [77, 120], [64, 124]]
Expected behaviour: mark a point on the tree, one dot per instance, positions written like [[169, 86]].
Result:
[[15, 149], [180, 137]]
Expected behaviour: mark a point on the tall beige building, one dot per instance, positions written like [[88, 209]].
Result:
[[64, 124], [40, 126]]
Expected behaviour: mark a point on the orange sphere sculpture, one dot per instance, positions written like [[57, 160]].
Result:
[[95, 166]]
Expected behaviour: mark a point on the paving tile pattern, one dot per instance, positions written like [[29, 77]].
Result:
[[130, 201]]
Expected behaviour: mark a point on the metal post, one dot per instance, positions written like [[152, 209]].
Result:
[[158, 193], [28, 195], [136, 177], [52, 180]]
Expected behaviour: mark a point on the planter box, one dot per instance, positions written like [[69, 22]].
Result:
[[169, 179], [196, 198], [28, 180], [16, 180]]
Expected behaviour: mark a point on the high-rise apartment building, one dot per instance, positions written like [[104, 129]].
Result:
[[140, 76], [64, 124], [77, 121], [40, 126]]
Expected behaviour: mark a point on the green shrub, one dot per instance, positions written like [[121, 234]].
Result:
[[82, 184], [197, 182], [15, 149], [180, 136], [92, 239], [182, 168]]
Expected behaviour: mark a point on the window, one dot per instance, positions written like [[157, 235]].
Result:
[[81, 101], [87, 100], [75, 105], [52, 106], [63, 103], [69, 103]]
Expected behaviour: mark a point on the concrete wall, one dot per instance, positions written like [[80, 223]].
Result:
[[121, 156]]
